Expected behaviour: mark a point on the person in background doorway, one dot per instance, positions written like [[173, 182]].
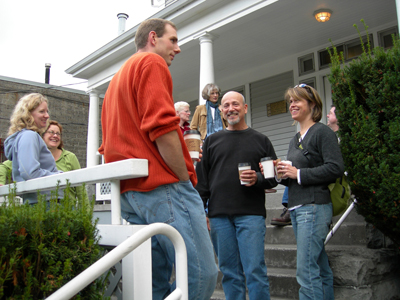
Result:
[[332, 121], [208, 118], [183, 112]]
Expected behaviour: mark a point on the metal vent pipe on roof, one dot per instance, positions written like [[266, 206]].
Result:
[[122, 21], [47, 74]]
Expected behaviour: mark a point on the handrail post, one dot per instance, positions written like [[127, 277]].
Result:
[[115, 202]]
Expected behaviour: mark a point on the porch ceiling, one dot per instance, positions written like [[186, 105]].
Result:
[[276, 31]]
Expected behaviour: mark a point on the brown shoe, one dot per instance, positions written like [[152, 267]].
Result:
[[283, 220]]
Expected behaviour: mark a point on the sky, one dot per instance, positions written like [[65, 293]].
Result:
[[36, 32]]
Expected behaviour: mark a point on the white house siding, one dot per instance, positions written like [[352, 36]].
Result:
[[278, 128]]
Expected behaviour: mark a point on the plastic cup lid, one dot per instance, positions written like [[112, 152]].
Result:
[[245, 164], [266, 158], [192, 131]]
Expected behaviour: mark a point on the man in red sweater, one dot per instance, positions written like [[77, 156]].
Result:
[[139, 121]]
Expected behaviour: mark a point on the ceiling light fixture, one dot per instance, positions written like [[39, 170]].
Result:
[[322, 15]]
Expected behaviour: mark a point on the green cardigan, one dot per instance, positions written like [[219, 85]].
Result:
[[5, 171], [67, 162]]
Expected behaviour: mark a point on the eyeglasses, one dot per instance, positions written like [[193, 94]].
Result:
[[51, 132]]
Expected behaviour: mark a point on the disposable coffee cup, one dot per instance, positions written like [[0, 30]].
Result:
[[192, 140], [241, 168], [268, 167], [279, 175]]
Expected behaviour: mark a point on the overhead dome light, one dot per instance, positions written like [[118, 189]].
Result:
[[322, 15]]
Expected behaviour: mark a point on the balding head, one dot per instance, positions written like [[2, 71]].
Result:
[[233, 94], [234, 110]]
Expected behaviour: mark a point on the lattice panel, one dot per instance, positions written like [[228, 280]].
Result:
[[103, 191]]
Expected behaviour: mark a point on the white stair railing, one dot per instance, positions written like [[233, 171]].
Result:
[[106, 262]]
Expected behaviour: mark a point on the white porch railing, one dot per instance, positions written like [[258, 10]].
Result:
[[97, 269], [132, 241]]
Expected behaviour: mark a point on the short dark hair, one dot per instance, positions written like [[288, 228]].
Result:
[[156, 25]]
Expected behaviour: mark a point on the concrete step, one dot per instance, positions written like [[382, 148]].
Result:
[[283, 285], [347, 234], [357, 271], [280, 256], [273, 200]]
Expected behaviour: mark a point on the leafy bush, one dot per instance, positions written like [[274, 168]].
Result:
[[366, 93], [44, 246]]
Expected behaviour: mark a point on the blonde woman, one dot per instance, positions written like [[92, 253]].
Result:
[[25, 146]]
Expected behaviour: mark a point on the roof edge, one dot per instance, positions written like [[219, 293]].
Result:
[[127, 35]]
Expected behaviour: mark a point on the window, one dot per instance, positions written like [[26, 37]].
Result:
[[310, 82], [306, 64], [385, 37], [350, 50], [161, 3], [324, 57]]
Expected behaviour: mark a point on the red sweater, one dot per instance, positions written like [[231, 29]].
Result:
[[137, 109]]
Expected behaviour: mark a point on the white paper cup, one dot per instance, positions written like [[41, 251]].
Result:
[[268, 167], [192, 140], [241, 168]]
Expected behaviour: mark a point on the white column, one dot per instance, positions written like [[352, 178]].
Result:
[[398, 13], [93, 130], [206, 62]]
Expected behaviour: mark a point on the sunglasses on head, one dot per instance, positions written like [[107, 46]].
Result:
[[301, 85], [306, 87]]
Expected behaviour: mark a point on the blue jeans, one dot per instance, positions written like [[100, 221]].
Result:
[[311, 225], [239, 244], [180, 206], [285, 197]]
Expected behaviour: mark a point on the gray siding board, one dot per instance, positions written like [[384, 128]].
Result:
[[278, 128]]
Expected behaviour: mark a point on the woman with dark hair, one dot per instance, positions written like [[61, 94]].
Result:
[[207, 117], [65, 160], [24, 145], [316, 162]]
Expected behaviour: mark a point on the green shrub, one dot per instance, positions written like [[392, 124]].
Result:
[[44, 246], [366, 93]]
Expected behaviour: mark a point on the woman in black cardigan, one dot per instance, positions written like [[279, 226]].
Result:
[[316, 162]]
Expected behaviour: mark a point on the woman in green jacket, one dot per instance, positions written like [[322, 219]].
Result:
[[5, 172], [65, 160]]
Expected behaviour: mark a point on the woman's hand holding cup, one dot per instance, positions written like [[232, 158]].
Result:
[[284, 169]]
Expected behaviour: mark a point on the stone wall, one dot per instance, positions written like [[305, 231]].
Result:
[[67, 106]]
